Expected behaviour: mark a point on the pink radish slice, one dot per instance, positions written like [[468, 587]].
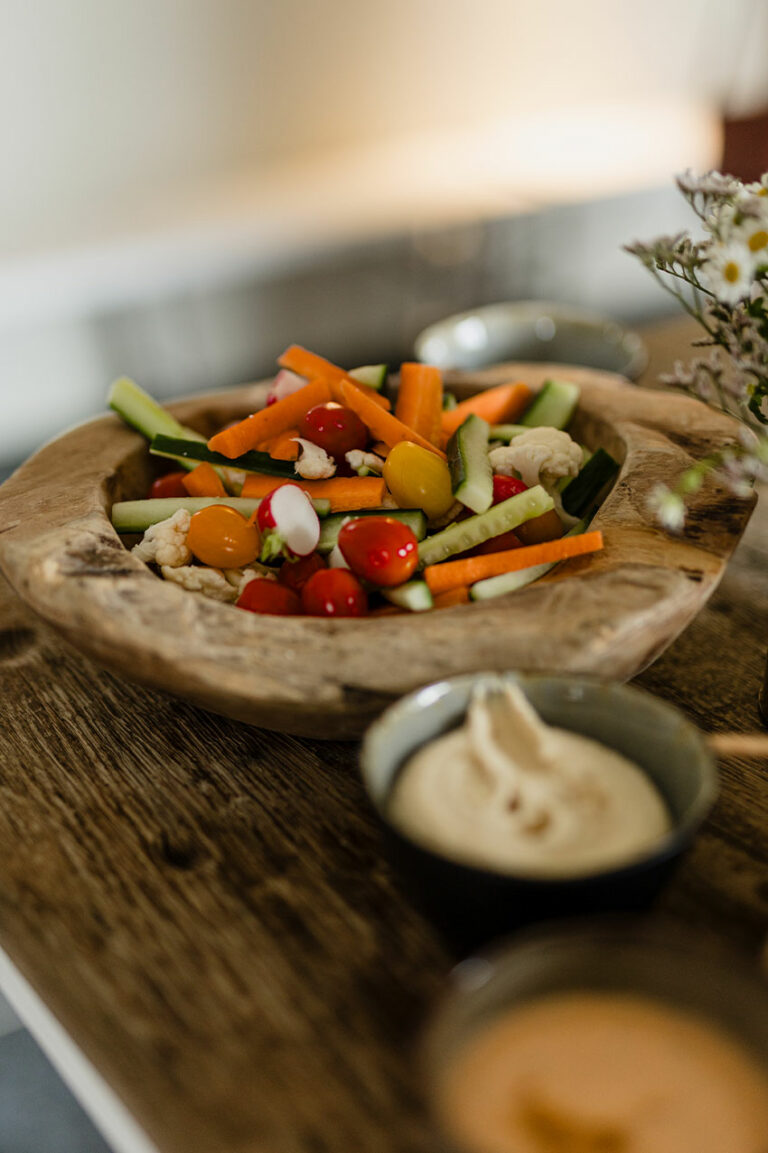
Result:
[[284, 384], [288, 522]]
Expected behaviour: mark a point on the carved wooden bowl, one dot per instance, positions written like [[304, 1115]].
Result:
[[609, 614]]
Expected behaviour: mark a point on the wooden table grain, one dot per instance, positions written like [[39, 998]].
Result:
[[205, 910]]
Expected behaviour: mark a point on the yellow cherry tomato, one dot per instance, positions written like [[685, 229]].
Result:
[[418, 478], [219, 536]]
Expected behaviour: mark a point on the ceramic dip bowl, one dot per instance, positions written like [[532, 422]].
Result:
[[472, 903]]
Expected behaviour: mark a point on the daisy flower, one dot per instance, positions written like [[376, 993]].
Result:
[[752, 232], [727, 271]]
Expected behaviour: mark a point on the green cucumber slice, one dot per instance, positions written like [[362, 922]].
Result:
[[510, 582], [449, 402], [374, 375], [183, 450], [329, 529], [506, 432], [465, 534], [584, 491], [413, 595], [138, 515], [142, 412], [471, 474], [554, 405]]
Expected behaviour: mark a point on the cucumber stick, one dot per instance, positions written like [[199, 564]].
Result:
[[466, 534], [139, 515], [184, 450], [510, 582], [471, 475], [583, 493], [554, 405], [413, 595], [507, 432], [331, 526], [140, 411], [374, 375]]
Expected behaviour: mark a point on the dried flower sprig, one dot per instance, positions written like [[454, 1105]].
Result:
[[721, 280]]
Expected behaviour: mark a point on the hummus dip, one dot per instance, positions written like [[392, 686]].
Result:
[[509, 793], [595, 1072]]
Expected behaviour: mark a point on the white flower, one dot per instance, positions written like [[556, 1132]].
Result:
[[314, 462], [752, 232], [668, 507], [165, 543], [727, 271]]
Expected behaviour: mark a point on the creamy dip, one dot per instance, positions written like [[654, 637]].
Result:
[[604, 1073], [510, 793]]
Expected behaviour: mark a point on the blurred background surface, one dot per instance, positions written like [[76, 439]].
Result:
[[189, 185]]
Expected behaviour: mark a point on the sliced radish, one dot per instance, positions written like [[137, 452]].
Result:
[[284, 384], [288, 523]]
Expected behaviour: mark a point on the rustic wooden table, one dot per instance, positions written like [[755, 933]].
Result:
[[196, 918]]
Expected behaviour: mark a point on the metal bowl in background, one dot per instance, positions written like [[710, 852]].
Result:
[[531, 330]]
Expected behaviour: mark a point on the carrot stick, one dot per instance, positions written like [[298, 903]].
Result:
[[457, 596], [269, 422], [380, 448], [343, 492], [500, 405], [454, 574], [382, 425], [284, 446], [203, 480], [305, 363], [420, 400]]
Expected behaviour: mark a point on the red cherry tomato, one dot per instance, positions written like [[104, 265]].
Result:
[[265, 596], [294, 574], [501, 543], [379, 549], [219, 536], [170, 485], [334, 592], [336, 429], [506, 486]]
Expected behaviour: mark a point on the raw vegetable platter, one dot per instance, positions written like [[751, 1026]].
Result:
[[609, 612]]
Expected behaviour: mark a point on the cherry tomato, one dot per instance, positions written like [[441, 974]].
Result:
[[219, 536], [540, 529], [418, 478], [169, 485], [334, 592], [379, 549], [336, 429], [295, 574], [506, 486], [265, 596], [499, 543]]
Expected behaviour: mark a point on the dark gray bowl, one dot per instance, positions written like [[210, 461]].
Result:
[[531, 330], [471, 904]]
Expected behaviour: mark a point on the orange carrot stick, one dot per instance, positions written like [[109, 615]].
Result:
[[454, 574], [457, 596], [344, 493], [500, 405], [285, 446], [269, 422], [203, 480], [305, 363], [420, 400], [382, 425]]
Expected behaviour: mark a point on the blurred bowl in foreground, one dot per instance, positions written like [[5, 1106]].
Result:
[[531, 330]]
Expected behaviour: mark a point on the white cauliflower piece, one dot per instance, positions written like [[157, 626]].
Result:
[[211, 582], [357, 459], [239, 577], [539, 455], [314, 463], [165, 543]]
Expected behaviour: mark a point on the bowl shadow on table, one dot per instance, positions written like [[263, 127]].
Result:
[[471, 904]]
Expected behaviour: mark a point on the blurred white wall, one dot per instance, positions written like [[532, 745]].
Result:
[[107, 107]]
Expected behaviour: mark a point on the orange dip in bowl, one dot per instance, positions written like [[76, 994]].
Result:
[[603, 1072]]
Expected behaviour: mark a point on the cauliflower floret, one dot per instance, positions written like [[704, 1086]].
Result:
[[211, 582], [239, 577], [314, 463], [540, 455], [165, 543], [357, 459]]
